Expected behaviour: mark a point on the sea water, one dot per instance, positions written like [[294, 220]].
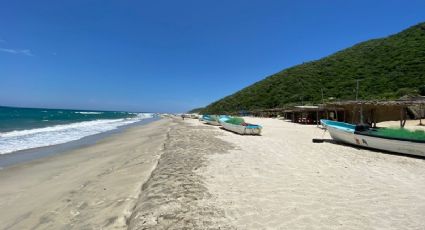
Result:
[[28, 128]]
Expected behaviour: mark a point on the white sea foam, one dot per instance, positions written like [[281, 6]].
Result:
[[89, 112], [40, 137]]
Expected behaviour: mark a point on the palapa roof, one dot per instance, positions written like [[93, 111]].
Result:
[[403, 102], [309, 108], [341, 105]]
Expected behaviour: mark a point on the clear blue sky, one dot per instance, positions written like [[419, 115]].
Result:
[[172, 55]]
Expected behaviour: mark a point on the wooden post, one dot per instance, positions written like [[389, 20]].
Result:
[[372, 113], [336, 114], [300, 117], [317, 117], [402, 117]]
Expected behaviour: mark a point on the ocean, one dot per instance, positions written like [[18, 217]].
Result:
[[28, 128]]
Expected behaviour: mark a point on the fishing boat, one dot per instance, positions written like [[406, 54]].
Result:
[[211, 119], [238, 125], [223, 118], [387, 139]]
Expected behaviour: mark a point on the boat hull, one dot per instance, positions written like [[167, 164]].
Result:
[[366, 141], [240, 129], [211, 120], [216, 123]]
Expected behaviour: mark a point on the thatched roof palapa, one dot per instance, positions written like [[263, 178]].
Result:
[[377, 111]]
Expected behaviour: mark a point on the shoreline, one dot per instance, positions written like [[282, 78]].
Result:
[[95, 186], [27, 155]]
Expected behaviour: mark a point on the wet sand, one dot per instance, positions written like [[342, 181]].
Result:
[[93, 187]]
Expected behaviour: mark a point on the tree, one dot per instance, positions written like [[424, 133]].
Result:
[[406, 92], [422, 90]]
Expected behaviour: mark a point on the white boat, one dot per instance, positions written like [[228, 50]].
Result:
[[243, 128], [216, 123], [365, 137], [211, 119]]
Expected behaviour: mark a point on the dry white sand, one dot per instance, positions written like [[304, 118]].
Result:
[[281, 180], [90, 188], [410, 124]]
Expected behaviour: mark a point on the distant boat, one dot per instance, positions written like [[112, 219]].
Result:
[[211, 119], [387, 139], [238, 125]]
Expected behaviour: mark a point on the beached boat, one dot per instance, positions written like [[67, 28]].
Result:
[[387, 139], [238, 125], [211, 119], [223, 118]]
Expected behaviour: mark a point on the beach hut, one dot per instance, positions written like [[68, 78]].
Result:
[[311, 114], [372, 112]]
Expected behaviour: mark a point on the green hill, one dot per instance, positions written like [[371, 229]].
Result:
[[387, 68]]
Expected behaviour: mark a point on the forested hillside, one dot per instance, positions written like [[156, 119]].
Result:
[[387, 68]]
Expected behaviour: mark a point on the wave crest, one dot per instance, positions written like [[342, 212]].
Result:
[[59, 134]]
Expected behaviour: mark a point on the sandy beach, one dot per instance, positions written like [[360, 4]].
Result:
[[174, 174], [181, 115], [282, 180], [89, 188]]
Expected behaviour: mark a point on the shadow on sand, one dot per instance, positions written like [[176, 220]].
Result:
[[222, 128], [370, 149]]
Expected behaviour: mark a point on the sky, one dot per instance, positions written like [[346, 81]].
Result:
[[172, 56]]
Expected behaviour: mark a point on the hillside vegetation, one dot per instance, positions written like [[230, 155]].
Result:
[[387, 68]]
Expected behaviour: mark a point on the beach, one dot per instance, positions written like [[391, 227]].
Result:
[[182, 174], [88, 188], [282, 180]]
